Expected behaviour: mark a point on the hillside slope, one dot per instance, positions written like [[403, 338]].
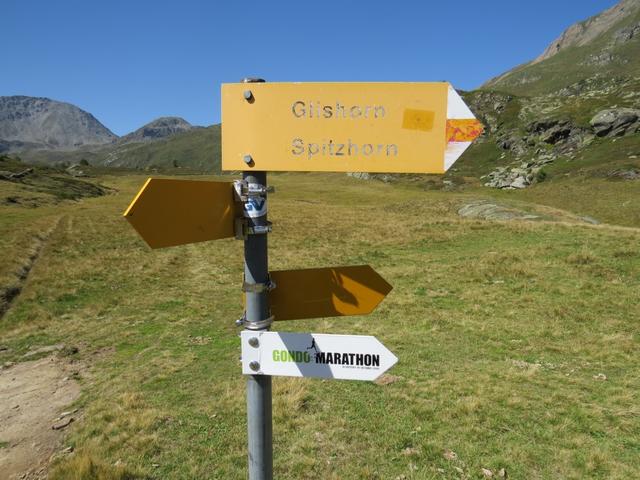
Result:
[[197, 149]]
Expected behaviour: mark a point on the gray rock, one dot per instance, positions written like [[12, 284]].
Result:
[[615, 122], [60, 424], [557, 134], [4, 175], [517, 177], [626, 174], [359, 175], [490, 211], [625, 34], [76, 171], [600, 59], [519, 182], [590, 220]]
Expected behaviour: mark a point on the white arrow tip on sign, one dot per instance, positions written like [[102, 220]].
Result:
[[462, 128]]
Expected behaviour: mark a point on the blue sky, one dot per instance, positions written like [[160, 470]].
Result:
[[128, 62]]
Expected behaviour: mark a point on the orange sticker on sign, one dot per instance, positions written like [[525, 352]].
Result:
[[465, 130]]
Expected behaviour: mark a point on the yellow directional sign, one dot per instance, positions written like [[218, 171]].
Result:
[[168, 212], [326, 292], [344, 127]]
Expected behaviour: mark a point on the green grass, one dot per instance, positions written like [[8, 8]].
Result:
[[502, 330]]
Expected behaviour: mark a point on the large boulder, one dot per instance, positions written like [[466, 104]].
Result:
[[485, 210], [616, 122]]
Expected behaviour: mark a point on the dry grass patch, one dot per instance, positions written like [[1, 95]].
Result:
[[83, 465]]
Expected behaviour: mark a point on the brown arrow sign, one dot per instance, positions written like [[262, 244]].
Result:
[[168, 212], [326, 292]]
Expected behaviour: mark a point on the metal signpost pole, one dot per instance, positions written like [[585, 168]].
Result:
[[256, 278], [257, 315]]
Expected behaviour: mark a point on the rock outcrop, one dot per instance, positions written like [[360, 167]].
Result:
[[616, 122], [518, 176]]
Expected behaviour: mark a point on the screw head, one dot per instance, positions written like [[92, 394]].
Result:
[[248, 159], [254, 342], [248, 95], [255, 366]]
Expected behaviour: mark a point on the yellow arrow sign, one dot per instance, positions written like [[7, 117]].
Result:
[[344, 127], [169, 212], [326, 292]]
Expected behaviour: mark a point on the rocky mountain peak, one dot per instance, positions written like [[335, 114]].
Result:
[[588, 30], [603, 46], [42, 123], [159, 128]]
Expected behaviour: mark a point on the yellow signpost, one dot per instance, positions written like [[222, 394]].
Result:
[[326, 292], [168, 212], [332, 127], [344, 127]]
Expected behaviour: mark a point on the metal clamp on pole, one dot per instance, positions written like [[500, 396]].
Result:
[[243, 229], [257, 325], [258, 287], [245, 191]]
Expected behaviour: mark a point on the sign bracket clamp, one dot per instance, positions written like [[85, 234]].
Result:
[[243, 229], [258, 287], [258, 325], [246, 190]]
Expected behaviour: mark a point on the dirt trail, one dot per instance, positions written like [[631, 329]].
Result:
[[9, 294], [33, 395]]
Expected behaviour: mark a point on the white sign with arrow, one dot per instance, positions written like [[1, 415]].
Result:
[[343, 357]]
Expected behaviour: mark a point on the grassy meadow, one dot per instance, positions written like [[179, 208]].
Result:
[[517, 341]]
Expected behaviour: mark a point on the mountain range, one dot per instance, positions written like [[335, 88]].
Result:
[[560, 112], [45, 131]]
